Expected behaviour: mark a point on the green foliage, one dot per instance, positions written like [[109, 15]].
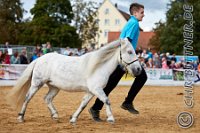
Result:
[[51, 22], [169, 35], [11, 14], [85, 14]]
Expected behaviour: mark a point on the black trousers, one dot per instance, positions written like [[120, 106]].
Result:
[[113, 81]]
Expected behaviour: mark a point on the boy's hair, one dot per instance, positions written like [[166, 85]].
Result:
[[135, 7]]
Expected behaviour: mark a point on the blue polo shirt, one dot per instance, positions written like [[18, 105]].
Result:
[[131, 30]]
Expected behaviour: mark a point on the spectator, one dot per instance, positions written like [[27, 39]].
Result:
[[173, 58], [1, 57], [38, 49], [198, 68], [35, 56], [6, 57], [23, 57], [164, 63], [172, 65], [150, 63], [139, 50], [48, 49], [7, 45], [67, 51], [145, 55], [15, 58], [156, 60], [142, 62]]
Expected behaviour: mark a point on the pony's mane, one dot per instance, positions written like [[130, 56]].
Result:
[[100, 56]]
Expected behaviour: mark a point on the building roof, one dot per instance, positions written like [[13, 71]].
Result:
[[143, 39], [124, 14]]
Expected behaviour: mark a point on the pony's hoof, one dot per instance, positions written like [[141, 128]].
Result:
[[55, 117], [72, 120], [20, 120], [112, 121]]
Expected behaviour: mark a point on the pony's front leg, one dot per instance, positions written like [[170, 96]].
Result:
[[83, 104], [102, 96]]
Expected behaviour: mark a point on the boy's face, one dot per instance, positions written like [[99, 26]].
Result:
[[139, 14]]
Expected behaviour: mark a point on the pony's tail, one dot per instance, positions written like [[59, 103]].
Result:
[[17, 94]]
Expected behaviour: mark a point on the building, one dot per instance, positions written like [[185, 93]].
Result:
[[110, 19]]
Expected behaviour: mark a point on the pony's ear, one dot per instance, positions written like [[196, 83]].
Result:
[[124, 41]]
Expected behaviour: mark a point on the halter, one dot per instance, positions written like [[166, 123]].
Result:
[[126, 64]]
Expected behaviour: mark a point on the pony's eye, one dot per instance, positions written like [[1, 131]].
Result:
[[130, 52]]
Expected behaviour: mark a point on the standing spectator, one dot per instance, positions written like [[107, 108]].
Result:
[[7, 45], [23, 57], [173, 58], [15, 58]]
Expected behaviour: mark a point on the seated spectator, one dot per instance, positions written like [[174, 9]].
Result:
[[164, 63], [15, 58], [149, 64], [6, 58], [156, 60], [172, 65], [145, 55], [38, 49], [67, 51], [23, 57], [142, 62], [49, 49], [198, 68]]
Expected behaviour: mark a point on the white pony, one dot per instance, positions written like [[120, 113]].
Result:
[[89, 73]]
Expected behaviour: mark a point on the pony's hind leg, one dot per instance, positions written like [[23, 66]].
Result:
[[83, 104], [53, 91], [29, 95]]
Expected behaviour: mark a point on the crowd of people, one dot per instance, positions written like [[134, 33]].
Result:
[[21, 57], [147, 58]]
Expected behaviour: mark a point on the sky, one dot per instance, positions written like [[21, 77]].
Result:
[[155, 10]]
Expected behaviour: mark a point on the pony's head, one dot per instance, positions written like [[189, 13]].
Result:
[[128, 58]]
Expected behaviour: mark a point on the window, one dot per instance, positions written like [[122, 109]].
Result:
[[106, 11], [106, 33], [106, 22], [117, 21]]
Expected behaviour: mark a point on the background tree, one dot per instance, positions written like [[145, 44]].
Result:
[[85, 20], [11, 14], [169, 36], [51, 22]]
